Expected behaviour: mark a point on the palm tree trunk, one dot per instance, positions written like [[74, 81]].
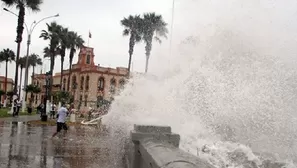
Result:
[[21, 76], [5, 80], [26, 95], [20, 29], [61, 78], [51, 77], [148, 48], [131, 49], [129, 64], [15, 89], [146, 63], [69, 75], [33, 73], [70, 68]]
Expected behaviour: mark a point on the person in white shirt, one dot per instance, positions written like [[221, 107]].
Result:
[[61, 122], [53, 111]]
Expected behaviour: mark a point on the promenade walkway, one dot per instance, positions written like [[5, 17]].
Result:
[[27, 146]]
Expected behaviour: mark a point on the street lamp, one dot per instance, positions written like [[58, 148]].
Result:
[[47, 82], [29, 33]]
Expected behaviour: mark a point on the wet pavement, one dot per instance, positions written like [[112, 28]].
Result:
[[23, 118], [25, 146]]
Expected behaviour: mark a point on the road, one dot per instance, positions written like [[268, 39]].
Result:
[[26, 146]]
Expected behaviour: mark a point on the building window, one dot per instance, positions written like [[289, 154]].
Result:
[[88, 61], [101, 84], [74, 82], [87, 83], [64, 84], [112, 86], [122, 83], [82, 79], [86, 100]]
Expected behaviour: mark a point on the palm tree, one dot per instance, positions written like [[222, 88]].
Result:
[[2, 92], [65, 43], [22, 64], [21, 5], [34, 60], [6, 55], [152, 25], [51, 34], [76, 42], [10, 95], [32, 89], [132, 26]]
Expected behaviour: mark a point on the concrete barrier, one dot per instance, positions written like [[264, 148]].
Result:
[[158, 147]]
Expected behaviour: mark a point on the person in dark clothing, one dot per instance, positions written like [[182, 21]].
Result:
[[15, 104], [53, 111], [40, 108]]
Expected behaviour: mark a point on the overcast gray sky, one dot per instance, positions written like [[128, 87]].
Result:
[[201, 18], [101, 17]]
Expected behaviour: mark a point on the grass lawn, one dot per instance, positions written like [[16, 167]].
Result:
[[4, 112]]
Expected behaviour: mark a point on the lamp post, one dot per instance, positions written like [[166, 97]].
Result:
[[47, 82], [29, 33], [27, 55]]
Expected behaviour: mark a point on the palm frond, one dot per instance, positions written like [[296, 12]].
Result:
[[9, 2], [158, 39], [7, 55], [34, 5], [126, 32]]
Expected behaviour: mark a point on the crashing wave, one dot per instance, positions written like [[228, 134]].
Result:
[[235, 155]]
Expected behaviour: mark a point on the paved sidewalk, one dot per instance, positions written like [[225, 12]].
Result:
[[25, 146], [24, 118]]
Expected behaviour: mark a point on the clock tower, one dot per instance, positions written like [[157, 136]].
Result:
[[86, 56]]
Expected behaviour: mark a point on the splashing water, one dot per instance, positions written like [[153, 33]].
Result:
[[233, 90]]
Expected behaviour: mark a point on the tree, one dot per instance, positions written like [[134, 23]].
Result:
[[6, 56], [62, 96], [34, 60], [65, 43], [2, 92], [75, 42], [21, 5], [22, 65], [29, 89], [152, 25], [47, 54], [10, 95], [132, 26], [52, 34], [32, 89]]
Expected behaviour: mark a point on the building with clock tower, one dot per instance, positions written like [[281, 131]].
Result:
[[89, 83]]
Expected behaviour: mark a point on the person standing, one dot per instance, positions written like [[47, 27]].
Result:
[[61, 122], [19, 105], [15, 104], [53, 111]]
